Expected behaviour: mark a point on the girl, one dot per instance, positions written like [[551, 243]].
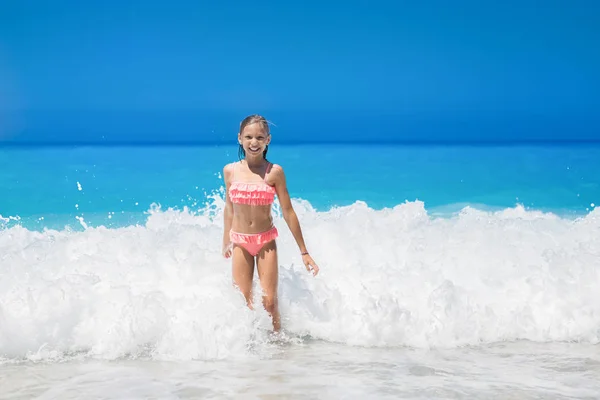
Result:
[[249, 234]]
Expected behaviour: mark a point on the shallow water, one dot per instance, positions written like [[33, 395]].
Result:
[[315, 369]]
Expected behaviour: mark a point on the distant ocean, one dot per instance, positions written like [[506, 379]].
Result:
[[448, 271]]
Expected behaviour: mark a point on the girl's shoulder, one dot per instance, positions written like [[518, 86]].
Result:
[[228, 169], [275, 169], [275, 174]]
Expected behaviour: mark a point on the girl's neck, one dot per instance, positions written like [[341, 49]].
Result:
[[256, 163]]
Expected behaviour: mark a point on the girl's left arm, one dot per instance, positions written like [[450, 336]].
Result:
[[291, 219]]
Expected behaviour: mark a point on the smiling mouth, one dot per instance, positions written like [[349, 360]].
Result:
[[254, 149]]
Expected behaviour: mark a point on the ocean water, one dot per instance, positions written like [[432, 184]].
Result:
[[446, 272]]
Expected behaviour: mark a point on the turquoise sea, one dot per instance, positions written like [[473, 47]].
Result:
[[59, 184], [448, 271]]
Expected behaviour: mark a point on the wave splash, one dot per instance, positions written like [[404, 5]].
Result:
[[391, 277]]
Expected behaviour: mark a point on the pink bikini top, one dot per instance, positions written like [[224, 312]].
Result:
[[258, 193]]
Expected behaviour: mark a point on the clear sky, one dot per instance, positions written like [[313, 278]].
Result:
[[332, 70]]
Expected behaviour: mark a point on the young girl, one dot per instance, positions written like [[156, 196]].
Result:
[[249, 234]]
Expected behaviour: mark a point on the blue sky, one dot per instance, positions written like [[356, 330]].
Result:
[[351, 70]]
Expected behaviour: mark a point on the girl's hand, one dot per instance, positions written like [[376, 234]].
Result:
[[310, 264], [227, 250]]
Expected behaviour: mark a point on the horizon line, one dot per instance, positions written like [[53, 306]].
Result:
[[197, 143]]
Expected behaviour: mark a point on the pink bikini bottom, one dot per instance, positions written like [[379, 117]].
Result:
[[253, 242]]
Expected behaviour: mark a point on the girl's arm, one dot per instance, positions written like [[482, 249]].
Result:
[[290, 217], [227, 212]]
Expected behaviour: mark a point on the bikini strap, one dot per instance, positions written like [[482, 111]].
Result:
[[269, 166]]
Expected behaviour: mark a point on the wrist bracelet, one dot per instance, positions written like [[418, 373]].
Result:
[[303, 254]]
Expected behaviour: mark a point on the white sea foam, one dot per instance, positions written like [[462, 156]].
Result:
[[392, 277]]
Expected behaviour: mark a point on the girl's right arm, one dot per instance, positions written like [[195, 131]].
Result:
[[227, 212]]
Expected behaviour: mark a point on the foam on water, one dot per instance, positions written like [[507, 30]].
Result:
[[392, 277]]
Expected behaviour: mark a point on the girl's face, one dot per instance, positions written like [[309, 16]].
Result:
[[254, 139]]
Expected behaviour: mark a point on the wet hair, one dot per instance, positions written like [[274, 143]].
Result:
[[253, 119]]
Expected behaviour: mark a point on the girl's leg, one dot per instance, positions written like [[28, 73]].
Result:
[[243, 272], [268, 273]]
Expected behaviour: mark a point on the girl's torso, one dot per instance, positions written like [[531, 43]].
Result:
[[252, 199]]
